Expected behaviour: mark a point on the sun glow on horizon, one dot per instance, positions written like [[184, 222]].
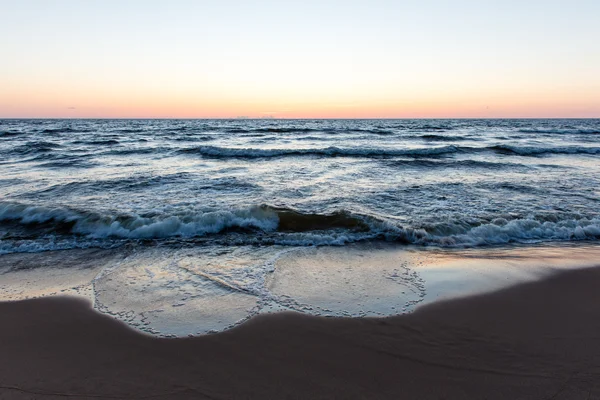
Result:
[[336, 60]]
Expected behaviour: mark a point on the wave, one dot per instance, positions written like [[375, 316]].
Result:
[[185, 224], [193, 138], [566, 131], [442, 138], [332, 151], [430, 163], [294, 221], [11, 133], [276, 130], [68, 163], [180, 129], [45, 151], [129, 130], [132, 226], [269, 130], [132, 151], [458, 234], [272, 225], [377, 131], [534, 151], [433, 128], [142, 182], [98, 142], [502, 231], [63, 130], [36, 147]]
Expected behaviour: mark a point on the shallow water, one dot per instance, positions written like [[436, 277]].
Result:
[[188, 290]]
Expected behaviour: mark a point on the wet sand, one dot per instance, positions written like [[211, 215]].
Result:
[[536, 340]]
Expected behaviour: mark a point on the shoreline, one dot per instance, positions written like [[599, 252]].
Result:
[[172, 292], [531, 340]]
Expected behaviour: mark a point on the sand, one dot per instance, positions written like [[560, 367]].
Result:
[[536, 340]]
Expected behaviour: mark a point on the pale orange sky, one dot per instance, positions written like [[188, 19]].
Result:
[[385, 59]]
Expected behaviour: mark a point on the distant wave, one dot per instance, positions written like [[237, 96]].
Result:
[[12, 133], [573, 131], [442, 138], [68, 163], [332, 151], [180, 129], [131, 151], [44, 150], [269, 130], [63, 130], [430, 163], [143, 181], [432, 128], [36, 147], [98, 142], [193, 138], [129, 130], [533, 150], [58, 156], [377, 131]]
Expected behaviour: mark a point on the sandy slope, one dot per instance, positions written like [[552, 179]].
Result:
[[537, 340]]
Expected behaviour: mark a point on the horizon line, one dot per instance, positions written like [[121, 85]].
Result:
[[284, 119]]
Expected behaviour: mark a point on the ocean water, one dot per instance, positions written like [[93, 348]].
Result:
[[217, 202]]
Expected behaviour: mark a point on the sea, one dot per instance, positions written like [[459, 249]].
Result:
[[192, 226]]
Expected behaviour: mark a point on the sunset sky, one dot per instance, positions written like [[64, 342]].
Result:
[[300, 59]]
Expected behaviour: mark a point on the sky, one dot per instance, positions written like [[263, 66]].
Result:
[[299, 59]]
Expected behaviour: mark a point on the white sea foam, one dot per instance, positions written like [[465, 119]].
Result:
[[96, 225], [518, 230], [61, 228]]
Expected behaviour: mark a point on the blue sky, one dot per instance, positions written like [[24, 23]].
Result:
[[300, 59]]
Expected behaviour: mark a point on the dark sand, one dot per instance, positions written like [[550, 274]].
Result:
[[533, 341]]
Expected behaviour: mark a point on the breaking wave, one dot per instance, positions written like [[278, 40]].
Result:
[[271, 225], [110, 147], [332, 151]]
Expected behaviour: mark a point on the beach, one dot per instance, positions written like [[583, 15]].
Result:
[[299, 259], [300, 200], [534, 340]]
